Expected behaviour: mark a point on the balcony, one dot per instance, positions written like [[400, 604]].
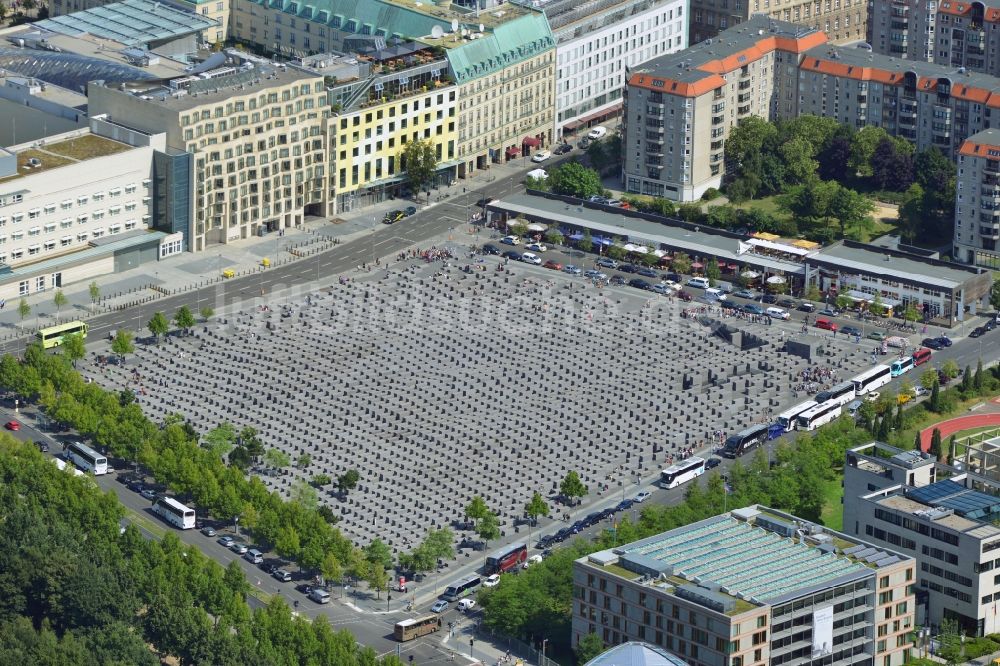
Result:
[[742, 110], [992, 218], [990, 232], [717, 132], [743, 98], [744, 85], [716, 157], [719, 94], [991, 193], [717, 120], [717, 145], [718, 108], [991, 168], [910, 134]]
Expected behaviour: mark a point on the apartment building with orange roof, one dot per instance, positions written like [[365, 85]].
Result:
[[977, 201], [681, 108]]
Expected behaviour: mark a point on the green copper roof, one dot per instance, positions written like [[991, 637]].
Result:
[[363, 17], [519, 39]]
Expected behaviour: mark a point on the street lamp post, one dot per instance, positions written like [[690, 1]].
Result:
[[544, 643]]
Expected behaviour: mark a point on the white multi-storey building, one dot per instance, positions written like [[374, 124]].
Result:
[[61, 200], [596, 43]]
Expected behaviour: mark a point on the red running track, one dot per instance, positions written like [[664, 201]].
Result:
[[951, 426]]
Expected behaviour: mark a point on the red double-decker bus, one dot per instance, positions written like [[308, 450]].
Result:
[[507, 558]]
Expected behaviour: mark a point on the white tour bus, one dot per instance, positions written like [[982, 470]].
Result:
[[682, 472], [872, 379], [820, 415], [787, 418], [87, 458], [175, 513], [841, 394]]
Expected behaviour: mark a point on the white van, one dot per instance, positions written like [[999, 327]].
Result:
[[319, 595], [699, 282], [714, 294], [597, 133], [778, 313], [254, 556]]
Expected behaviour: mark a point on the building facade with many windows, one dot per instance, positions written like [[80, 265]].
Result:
[[944, 519], [842, 20], [596, 43], [257, 134], [751, 587], [903, 28], [977, 200]]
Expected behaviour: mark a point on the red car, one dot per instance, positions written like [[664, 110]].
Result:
[[826, 324], [12, 425], [554, 265]]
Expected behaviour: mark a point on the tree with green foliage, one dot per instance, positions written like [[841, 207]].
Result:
[[586, 244], [813, 293], [220, 440], [59, 300], [348, 481], [122, 344], [966, 380], [950, 368], [844, 302], [73, 347], [23, 309], [377, 579], [589, 647], [978, 379], [320, 480], [540, 184], [572, 488], [158, 326], [536, 507], [934, 402], [712, 271], [935, 446], [936, 173], [910, 220], [863, 145], [419, 159], [681, 263], [184, 319], [575, 180], [277, 459], [616, 251], [554, 237], [476, 509], [378, 553], [995, 295], [206, 313], [95, 292], [488, 528]]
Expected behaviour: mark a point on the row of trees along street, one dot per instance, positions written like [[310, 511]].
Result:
[[76, 592]]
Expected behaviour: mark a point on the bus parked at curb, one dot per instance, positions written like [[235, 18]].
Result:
[[820, 415], [745, 441], [175, 513], [787, 418], [507, 559], [872, 379], [87, 458], [681, 472], [460, 588]]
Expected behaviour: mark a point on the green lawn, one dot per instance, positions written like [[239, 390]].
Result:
[[833, 507], [766, 205]]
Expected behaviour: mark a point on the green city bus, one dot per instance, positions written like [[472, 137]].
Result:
[[52, 336]]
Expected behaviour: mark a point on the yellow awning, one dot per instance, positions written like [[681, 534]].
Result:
[[766, 236]]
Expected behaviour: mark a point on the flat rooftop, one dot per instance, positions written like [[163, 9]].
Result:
[[62, 153], [218, 88], [730, 248], [753, 554], [130, 22], [683, 65], [872, 260], [948, 494]]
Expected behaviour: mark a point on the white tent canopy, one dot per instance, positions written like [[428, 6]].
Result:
[[776, 279], [780, 247], [750, 275]]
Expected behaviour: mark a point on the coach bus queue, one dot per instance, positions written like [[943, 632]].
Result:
[[826, 406]]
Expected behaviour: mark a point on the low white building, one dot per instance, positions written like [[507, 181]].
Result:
[[75, 205], [597, 42]]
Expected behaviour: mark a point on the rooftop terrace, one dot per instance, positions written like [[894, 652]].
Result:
[[68, 151]]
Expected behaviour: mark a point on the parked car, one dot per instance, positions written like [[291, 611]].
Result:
[[12, 425], [534, 559], [531, 258], [491, 249], [510, 240], [788, 303], [512, 255], [238, 548], [932, 343], [662, 288], [554, 265], [607, 262], [466, 604], [226, 541], [806, 307], [208, 531], [541, 156], [825, 324], [753, 308], [977, 331], [684, 295], [627, 268], [851, 331], [148, 493], [595, 275], [493, 580], [642, 496], [597, 198], [713, 462], [536, 247], [639, 283], [410, 210], [617, 280], [878, 335], [597, 133], [647, 272], [572, 270], [282, 575], [562, 149], [745, 293], [584, 143], [830, 312], [778, 313]]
